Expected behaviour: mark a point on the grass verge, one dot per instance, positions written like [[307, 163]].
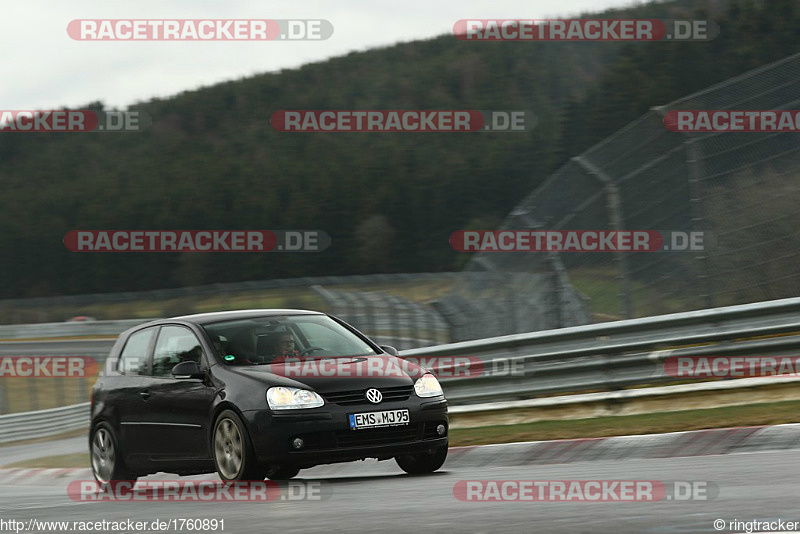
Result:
[[78, 459], [771, 413]]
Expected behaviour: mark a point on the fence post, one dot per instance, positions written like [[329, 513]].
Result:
[[554, 292], [616, 220], [694, 164]]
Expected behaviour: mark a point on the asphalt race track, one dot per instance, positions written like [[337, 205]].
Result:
[[377, 497], [11, 453]]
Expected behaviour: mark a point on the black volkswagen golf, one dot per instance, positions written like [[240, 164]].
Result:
[[260, 393]]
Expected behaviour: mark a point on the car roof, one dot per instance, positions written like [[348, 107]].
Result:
[[213, 317]]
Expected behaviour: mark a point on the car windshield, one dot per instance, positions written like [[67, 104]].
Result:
[[261, 340]]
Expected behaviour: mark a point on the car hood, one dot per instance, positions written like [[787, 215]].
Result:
[[328, 375]]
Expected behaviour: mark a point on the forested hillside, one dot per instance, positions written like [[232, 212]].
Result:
[[388, 200]]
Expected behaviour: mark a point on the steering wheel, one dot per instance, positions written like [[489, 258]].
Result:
[[308, 350]]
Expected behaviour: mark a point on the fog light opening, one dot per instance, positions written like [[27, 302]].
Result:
[[298, 443], [441, 430]]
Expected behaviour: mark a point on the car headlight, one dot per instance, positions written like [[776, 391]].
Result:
[[428, 386], [283, 398]]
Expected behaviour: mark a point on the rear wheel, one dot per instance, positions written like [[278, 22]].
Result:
[[233, 454], [107, 464], [424, 462]]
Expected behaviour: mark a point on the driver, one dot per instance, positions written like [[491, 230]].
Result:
[[286, 346]]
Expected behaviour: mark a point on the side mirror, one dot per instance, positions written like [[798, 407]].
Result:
[[389, 349], [188, 369]]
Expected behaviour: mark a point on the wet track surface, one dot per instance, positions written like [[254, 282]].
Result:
[[17, 453], [378, 497]]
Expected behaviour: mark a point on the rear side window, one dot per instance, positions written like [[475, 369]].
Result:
[[133, 360], [175, 344]]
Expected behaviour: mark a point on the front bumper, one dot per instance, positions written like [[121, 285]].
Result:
[[328, 438]]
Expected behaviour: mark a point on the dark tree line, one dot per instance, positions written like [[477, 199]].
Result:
[[388, 200]]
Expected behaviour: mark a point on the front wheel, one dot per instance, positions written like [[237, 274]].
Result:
[[107, 465], [233, 455], [424, 462]]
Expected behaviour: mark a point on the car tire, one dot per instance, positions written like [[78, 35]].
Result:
[[425, 462], [282, 472], [233, 453], [106, 457]]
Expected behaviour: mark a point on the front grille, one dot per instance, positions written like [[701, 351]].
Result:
[[377, 436], [356, 396]]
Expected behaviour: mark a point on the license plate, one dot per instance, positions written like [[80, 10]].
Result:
[[378, 419]]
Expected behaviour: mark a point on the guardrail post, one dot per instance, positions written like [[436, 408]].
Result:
[[33, 397], [58, 386], [83, 386]]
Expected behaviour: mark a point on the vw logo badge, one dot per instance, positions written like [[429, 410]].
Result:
[[374, 396]]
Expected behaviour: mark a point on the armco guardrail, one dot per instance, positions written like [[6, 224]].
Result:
[[609, 356], [43, 423], [598, 357]]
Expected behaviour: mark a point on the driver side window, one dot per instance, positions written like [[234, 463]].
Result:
[[175, 344]]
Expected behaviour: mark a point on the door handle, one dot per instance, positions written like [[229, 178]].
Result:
[[144, 394]]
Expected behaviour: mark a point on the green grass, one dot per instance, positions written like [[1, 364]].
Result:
[[771, 413], [601, 285]]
